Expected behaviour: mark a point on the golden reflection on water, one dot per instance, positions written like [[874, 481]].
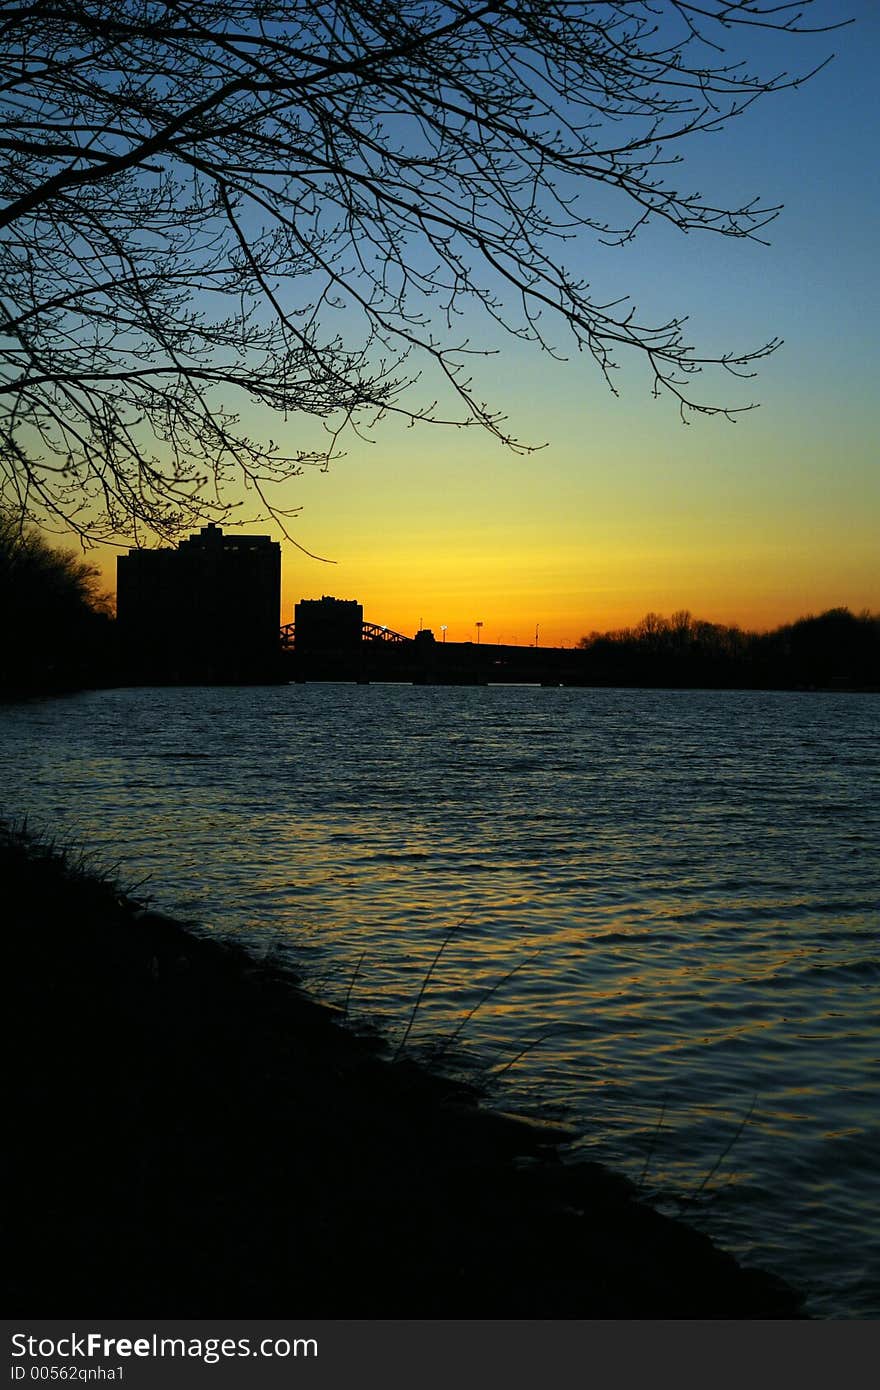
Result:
[[693, 911]]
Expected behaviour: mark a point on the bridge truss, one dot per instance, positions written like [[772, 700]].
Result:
[[370, 632]]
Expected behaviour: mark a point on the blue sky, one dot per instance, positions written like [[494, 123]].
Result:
[[627, 510]]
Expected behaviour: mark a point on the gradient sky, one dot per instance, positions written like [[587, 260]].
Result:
[[627, 510]]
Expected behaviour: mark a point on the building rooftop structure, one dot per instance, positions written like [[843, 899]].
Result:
[[207, 610], [328, 626]]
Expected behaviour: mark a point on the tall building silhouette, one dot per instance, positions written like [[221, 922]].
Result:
[[208, 610]]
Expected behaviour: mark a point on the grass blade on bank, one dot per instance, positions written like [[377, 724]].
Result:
[[425, 982], [446, 1043], [529, 1047], [721, 1157], [654, 1137], [351, 984]]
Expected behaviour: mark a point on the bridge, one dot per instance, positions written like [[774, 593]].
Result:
[[365, 652], [330, 641], [370, 632]]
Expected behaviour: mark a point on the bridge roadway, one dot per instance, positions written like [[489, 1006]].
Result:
[[386, 656]]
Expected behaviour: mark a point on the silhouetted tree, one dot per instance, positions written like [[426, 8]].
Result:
[[206, 201], [834, 648], [837, 648], [54, 620]]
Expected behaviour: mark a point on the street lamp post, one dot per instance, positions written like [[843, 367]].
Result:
[[443, 630], [478, 626]]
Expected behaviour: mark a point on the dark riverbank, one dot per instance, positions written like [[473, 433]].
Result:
[[190, 1135]]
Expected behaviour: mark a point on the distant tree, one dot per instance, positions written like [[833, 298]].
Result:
[[210, 201], [54, 618], [835, 649], [652, 630], [835, 646]]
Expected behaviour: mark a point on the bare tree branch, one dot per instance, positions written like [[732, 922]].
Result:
[[295, 203]]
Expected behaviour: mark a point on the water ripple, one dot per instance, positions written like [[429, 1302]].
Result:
[[687, 882]]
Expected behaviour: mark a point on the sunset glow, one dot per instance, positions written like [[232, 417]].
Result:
[[626, 510]]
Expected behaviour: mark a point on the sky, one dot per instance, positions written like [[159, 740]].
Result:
[[626, 510]]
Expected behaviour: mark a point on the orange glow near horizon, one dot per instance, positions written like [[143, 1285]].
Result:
[[571, 548], [510, 614], [614, 592]]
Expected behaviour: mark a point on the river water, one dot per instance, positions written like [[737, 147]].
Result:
[[673, 894]]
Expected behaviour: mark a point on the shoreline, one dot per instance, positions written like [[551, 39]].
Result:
[[194, 1135]]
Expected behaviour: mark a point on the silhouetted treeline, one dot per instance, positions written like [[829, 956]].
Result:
[[836, 650], [56, 627]]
